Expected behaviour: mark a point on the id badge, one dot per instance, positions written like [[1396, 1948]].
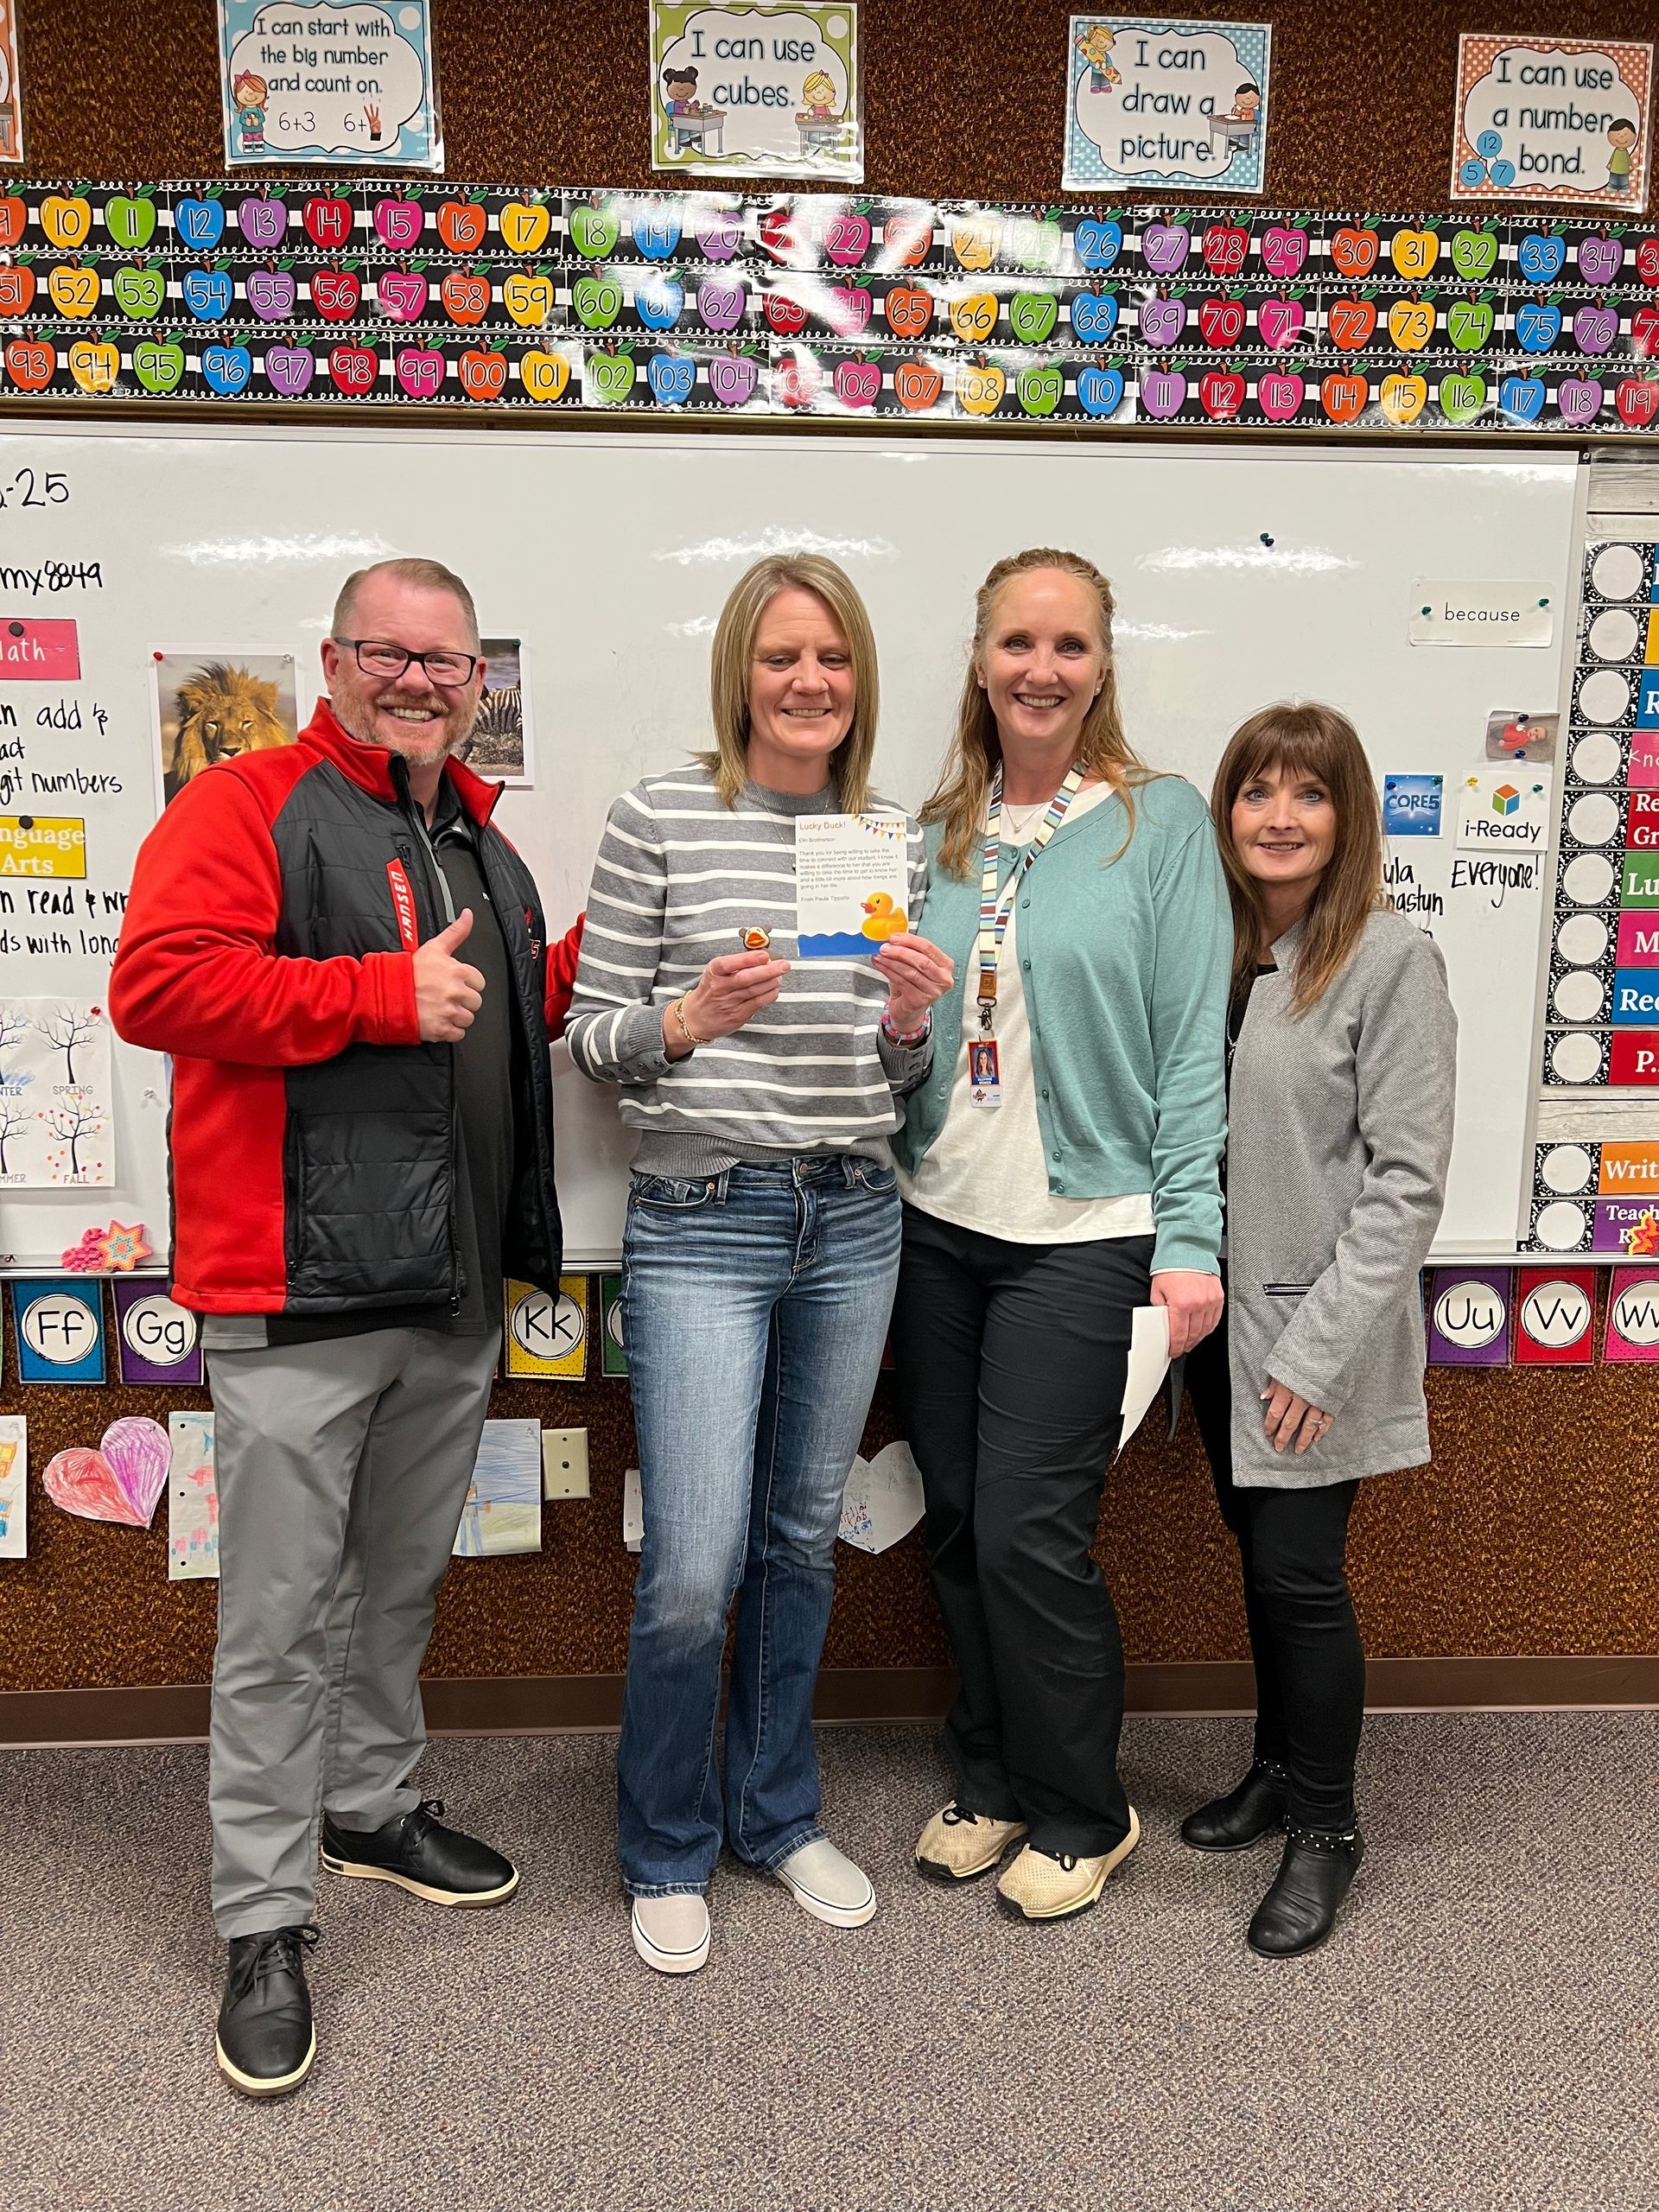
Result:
[[984, 1073]]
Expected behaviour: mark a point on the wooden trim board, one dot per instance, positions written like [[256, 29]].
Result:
[[539, 1704]]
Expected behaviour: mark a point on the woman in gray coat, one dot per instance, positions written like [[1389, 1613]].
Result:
[[1342, 1054]]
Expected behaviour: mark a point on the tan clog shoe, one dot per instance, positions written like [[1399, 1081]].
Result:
[[959, 1846], [1040, 1886]]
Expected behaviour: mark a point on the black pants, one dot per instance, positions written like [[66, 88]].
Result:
[[1310, 1666], [1011, 1361]]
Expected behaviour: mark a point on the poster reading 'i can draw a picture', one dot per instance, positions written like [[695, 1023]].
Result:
[[1156, 104]]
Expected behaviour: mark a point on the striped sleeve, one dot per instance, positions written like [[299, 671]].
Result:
[[615, 1030]]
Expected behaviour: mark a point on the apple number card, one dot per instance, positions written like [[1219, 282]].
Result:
[[852, 884]]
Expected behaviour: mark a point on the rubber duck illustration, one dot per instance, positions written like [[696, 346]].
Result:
[[886, 919]]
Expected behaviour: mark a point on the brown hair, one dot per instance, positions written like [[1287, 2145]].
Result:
[[733, 656], [427, 575], [964, 786], [1316, 742]]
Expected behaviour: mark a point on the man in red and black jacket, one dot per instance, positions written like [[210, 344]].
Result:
[[349, 968]]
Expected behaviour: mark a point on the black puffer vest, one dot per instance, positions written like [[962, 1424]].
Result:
[[370, 1163]]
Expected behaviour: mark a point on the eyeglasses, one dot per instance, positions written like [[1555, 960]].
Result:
[[446, 670]]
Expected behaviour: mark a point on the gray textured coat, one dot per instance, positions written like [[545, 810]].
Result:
[[1339, 1133]]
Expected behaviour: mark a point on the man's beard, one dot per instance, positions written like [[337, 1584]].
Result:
[[457, 728]]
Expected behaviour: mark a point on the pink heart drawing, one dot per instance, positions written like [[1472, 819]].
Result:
[[121, 1481]]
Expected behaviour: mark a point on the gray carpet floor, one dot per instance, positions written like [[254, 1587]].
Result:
[[1479, 2035]]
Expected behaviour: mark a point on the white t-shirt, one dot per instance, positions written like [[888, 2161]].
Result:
[[987, 1170]]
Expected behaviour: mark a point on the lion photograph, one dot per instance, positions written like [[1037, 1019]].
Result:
[[214, 706]]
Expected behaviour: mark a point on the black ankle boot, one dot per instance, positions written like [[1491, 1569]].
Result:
[[266, 2042], [1314, 1876], [1255, 1808]]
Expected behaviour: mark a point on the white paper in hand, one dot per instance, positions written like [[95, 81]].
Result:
[[1148, 1365], [882, 1501]]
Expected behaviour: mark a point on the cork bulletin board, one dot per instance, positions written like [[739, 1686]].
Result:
[[1535, 1530]]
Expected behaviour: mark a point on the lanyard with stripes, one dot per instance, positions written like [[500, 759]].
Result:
[[994, 911]]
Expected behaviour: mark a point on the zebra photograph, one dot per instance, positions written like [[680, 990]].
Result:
[[499, 745]]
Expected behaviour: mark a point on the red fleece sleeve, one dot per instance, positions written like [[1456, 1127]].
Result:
[[561, 960], [196, 974]]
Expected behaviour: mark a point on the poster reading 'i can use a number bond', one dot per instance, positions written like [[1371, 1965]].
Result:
[[1561, 119]]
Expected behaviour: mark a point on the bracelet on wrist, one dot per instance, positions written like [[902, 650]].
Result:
[[907, 1040], [676, 1007]]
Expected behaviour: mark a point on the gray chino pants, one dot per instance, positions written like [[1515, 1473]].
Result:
[[342, 1471]]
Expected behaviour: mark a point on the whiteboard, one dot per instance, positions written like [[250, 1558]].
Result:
[[1243, 575]]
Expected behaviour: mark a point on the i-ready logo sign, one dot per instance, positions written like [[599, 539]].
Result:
[[1503, 810], [1411, 805]]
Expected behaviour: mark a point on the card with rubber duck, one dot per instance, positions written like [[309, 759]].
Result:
[[852, 884]]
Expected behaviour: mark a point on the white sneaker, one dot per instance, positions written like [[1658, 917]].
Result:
[[825, 1883], [671, 1934]]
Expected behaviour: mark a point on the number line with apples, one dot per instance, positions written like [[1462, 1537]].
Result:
[[379, 292]]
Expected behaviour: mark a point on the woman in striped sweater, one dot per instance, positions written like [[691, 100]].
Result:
[[762, 1241]]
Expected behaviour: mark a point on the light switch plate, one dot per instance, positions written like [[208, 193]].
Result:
[[564, 1463]]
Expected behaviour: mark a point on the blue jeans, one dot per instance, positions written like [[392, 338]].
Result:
[[755, 1306]]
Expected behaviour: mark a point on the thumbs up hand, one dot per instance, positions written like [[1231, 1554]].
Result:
[[448, 993]]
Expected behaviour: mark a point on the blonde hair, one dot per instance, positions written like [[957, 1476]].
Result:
[[964, 788], [733, 659], [426, 576], [1316, 742]]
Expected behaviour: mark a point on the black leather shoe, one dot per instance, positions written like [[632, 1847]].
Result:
[[266, 2042], [417, 1853], [1255, 1808], [1314, 1876]]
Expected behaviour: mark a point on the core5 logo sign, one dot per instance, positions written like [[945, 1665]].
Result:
[[1411, 805]]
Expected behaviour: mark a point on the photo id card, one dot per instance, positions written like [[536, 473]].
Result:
[[984, 1073]]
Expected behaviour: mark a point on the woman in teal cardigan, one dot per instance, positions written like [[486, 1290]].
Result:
[[1059, 1169]]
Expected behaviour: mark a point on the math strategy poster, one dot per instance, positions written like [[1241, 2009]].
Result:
[[11, 121], [1156, 104], [768, 90], [1562, 120], [329, 82]]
